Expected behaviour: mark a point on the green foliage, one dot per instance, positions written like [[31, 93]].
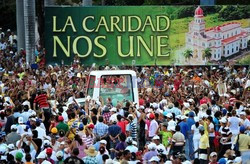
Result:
[[188, 54], [234, 12], [8, 14], [207, 53]]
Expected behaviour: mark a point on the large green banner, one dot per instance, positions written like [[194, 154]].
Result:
[[147, 35]]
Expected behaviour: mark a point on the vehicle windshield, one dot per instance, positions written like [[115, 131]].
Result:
[[118, 88]]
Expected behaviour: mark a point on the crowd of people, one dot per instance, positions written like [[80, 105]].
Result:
[[193, 114]]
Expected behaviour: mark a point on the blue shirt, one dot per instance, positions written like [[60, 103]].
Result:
[[114, 130], [176, 111], [190, 122], [100, 129], [216, 124], [184, 128]]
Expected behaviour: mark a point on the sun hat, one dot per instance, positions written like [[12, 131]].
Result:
[[91, 151]]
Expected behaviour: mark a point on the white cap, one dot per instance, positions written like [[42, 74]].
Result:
[[196, 119], [213, 154], [62, 143], [187, 105], [161, 149], [223, 120], [41, 155], [237, 160], [154, 158], [46, 162], [2, 150], [59, 154], [134, 143], [141, 107], [20, 120], [113, 109], [190, 100], [46, 143], [243, 113], [200, 74], [183, 117], [11, 146], [32, 119], [156, 137], [169, 115], [13, 127], [103, 142], [152, 146], [172, 128]]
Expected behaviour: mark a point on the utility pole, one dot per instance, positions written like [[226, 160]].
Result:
[[20, 25], [86, 2], [29, 9]]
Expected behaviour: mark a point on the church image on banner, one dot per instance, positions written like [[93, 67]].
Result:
[[223, 41]]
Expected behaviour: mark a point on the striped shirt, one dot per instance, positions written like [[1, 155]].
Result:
[[42, 101], [88, 140], [132, 127], [225, 133]]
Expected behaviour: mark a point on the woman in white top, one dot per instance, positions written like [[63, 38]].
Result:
[[211, 132], [196, 135]]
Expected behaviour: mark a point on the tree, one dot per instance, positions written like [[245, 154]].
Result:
[[207, 54], [188, 54]]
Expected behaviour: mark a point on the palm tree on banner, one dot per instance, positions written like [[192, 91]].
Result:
[[207, 54], [188, 54]]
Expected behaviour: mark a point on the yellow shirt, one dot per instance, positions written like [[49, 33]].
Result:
[[204, 142], [244, 142], [71, 135], [206, 128]]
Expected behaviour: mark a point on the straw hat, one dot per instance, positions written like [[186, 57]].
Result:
[[91, 151]]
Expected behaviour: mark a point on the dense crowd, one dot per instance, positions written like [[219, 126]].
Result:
[[184, 115]]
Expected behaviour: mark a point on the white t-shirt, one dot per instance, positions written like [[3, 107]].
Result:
[[234, 124], [152, 128], [41, 133], [211, 126], [197, 134], [171, 123], [132, 148]]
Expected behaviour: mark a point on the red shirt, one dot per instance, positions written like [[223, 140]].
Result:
[[204, 100], [123, 125], [177, 84], [141, 102], [42, 101]]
